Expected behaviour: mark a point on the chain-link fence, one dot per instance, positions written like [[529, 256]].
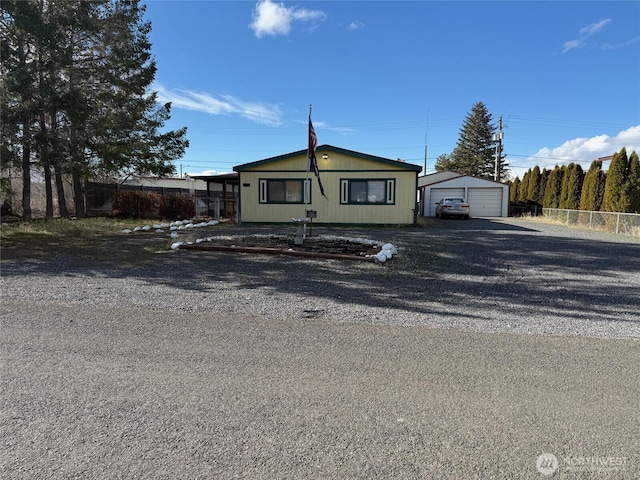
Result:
[[619, 223]]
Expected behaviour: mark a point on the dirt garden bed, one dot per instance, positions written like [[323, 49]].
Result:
[[332, 247]]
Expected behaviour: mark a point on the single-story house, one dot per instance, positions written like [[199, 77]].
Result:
[[359, 189], [485, 197]]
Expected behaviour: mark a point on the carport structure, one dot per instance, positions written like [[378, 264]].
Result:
[[486, 197]]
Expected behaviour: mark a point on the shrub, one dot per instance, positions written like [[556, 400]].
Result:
[[136, 204], [176, 206]]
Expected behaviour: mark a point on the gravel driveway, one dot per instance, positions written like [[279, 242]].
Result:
[[480, 275], [483, 345]]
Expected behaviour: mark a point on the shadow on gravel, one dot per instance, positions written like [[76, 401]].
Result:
[[474, 269]]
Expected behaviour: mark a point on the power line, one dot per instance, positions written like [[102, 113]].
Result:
[[521, 119]]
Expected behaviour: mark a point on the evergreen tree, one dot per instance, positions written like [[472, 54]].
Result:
[[574, 186], [475, 150], [601, 181], [524, 186], [130, 141], [19, 86], [634, 183], [544, 176], [553, 188], [564, 186], [534, 185], [615, 191], [592, 188], [587, 196], [513, 190], [444, 163], [75, 80]]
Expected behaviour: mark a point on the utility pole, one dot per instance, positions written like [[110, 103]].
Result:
[[426, 132], [498, 137], [425, 159]]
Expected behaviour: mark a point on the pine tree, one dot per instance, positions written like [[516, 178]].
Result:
[[75, 78], [129, 128], [444, 163], [19, 87], [475, 150], [615, 194]]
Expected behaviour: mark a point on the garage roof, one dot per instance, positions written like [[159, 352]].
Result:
[[441, 177], [436, 177]]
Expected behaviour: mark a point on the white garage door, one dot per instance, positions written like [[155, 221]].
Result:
[[485, 202], [438, 193]]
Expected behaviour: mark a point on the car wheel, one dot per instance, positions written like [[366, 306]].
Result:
[[466, 217]]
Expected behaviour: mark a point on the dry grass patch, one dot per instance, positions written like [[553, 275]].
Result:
[[94, 239]]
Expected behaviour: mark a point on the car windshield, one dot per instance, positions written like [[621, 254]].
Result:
[[453, 200]]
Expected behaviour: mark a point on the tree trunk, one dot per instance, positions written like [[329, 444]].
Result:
[[78, 193], [46, 167], [48, 215], [62, 201], [26, 182]]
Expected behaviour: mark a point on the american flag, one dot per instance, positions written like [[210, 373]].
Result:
[[311, 153]]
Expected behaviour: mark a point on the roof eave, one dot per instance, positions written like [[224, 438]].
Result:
[[329, 148]]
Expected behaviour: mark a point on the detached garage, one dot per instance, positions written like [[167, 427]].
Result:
[[485, 197]]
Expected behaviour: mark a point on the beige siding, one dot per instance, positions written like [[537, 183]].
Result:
[[287, 165], [332, 170], [337, 161], [254, 211]]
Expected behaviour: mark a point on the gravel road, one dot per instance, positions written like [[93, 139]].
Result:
[[483, 345]]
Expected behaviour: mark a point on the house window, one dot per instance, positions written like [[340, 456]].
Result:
[[368, 192], [281, 191]]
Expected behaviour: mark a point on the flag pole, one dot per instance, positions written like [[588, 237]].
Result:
[[306, 193], [307, 185]]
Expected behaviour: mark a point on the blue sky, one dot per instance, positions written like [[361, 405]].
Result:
[[387, 77]]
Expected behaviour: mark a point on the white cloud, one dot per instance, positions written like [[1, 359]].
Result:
[[356, 25], [271, 18], [584, 34], [570, 45], [628, 43], [263, 113], [583, 150], [594, 28]]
